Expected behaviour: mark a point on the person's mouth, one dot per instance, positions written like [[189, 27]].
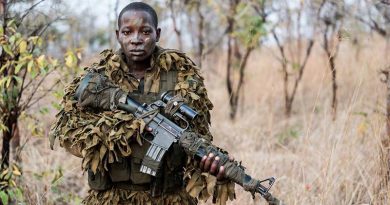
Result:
[[137, 52]]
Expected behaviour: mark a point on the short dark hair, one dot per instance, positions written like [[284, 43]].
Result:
[[139, 6]]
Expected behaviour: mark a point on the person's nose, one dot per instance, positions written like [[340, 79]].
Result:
[[135, 39]]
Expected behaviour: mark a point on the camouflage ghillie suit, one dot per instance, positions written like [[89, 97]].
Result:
[[111, 143]]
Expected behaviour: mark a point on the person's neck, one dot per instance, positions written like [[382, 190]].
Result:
[[138, 66]]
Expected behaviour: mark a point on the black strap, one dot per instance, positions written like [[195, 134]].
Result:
[[83, 85]]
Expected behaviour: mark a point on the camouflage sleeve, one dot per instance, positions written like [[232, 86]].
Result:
[[99, 137], [201, 185]]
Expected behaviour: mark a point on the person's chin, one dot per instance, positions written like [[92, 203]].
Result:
[[138, 57]]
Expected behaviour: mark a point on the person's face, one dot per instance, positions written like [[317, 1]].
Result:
[[137, 35]]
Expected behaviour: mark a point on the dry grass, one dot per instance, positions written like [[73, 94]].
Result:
[[315, 160]]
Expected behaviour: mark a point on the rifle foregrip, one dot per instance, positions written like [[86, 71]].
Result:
[[198, 147]]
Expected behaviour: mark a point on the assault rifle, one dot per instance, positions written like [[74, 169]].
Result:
[[166, 132]]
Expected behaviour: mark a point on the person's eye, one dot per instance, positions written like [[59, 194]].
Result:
[[146, 32], [125, 33]]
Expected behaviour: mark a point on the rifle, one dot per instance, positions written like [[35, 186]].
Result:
[[166, 132]]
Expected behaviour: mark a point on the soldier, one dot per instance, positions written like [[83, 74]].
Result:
[[112, 143]]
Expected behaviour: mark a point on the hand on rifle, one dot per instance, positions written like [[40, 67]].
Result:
[[209, 163]]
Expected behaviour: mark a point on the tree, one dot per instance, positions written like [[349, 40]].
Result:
[[377, 16], [293, 40], [189, 21], [331, 17], [245, 22], [24, 72], [174, 17]]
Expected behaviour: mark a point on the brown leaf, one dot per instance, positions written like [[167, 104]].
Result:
[[68, 106], [110, 157], [95, 163], [175, 56], [210, 181], [168, 61], [195, 176], [102, 152], [194, 96]]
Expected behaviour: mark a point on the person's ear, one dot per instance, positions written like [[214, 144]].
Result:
[[117, 34], [158, 32]]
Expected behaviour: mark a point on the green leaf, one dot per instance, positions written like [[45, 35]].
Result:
[[33, 74], [54, 63], [1, 30], [11, 23], [12, 39], [18, 35], [58, 175], [19, 67], [19, 194], [39, 42], [18, 79], [11, 29], [57, 106], [4, 197], [8, 50], [8, 82], [44, 110], [34, 39], [59, 94], [4, 66], [41, 61], [70, 60], [3, 80], [23, 46], [11, 193], [296, 66], [30, 65], [3, 127]]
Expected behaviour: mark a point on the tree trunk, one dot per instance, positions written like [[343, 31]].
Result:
[[10, 123], [331, 55], [229, 60], [334, 86], [229, 81], [15, 143], [237, 92], [287, 101], [10, 119], [200, 34], [175, 28]]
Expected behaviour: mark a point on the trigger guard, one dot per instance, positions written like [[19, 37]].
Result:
[[183, 119]]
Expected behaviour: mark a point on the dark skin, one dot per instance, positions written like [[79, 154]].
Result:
[[138, 36]]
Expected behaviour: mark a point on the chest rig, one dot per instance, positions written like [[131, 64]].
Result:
[[125, 174]]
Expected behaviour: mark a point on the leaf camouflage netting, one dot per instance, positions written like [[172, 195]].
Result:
[[121, 196], [103, 137]]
